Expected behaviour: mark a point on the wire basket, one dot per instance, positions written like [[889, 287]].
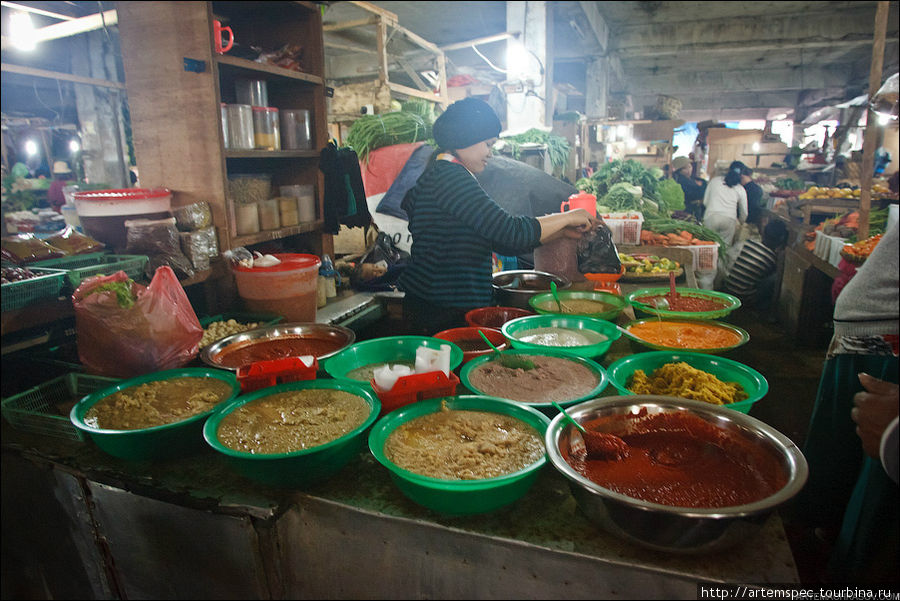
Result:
[[44, 409], [45, 286], [81, 267]]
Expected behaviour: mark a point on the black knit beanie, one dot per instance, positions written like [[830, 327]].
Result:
[[464, 123]]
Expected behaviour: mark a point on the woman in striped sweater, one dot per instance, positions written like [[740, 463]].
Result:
[[455, 225]]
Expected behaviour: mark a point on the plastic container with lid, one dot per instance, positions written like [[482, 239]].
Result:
[[269, 218], [237, 120], [306, 200], [287, 289], [296, 130], [287, 207], [246, 218], [266, 129], [254, 92], [102, 213]]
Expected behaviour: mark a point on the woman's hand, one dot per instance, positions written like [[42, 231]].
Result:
[[875, 409], [579, 222]]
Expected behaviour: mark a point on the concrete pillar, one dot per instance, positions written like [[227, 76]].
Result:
[[531, 104], [104, 148], [597, 87]]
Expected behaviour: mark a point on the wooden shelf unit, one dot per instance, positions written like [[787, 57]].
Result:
[[175, 105]]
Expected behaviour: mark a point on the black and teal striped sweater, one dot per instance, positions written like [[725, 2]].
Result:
[[455, 225]]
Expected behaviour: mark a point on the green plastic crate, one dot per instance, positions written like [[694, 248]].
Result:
[[37, 409], [81, 267], [46, 286]]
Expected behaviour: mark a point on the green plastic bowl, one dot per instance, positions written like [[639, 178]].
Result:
[[731, 303], [385, 350], [548, 406], [513, 329], [640, 345], [459, 497], [297, 468], [618, 303], [727, 370], [158, 442]]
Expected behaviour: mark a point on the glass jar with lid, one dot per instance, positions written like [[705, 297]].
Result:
[[266, 129]]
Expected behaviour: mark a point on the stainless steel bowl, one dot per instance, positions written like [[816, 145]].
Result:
[[661, 527], [341, 335], [515, 288]]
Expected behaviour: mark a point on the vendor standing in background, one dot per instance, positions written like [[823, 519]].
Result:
[[61, 176], [725, 203], [754, 198], [455, 225], [693, 189]]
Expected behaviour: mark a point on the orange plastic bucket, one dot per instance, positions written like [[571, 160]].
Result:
[[287, 289]]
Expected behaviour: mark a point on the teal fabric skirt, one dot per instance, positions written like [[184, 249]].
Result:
[[847, 491]]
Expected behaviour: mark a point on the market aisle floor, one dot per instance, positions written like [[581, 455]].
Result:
[[793, 373]]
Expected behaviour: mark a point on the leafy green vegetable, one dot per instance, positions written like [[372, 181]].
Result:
[[557, 146], [125, 296], [371, 132], [610, 174], [672, 194], [623, 197]]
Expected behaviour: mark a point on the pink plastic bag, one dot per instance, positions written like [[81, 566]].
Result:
[[159, 331]]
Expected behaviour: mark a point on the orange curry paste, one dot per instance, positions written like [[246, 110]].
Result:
[[680, 460], [684, 334]]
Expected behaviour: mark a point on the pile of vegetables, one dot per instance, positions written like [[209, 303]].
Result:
[[371, 132], [557, 146], [859, 251], [629, 186], [789, 183], [847, 225]]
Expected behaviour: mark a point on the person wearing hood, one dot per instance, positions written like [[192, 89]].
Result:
[[455, 225]]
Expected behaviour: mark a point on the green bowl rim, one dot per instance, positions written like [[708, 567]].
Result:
[[589, 363], [76, 415], [733, 302], [745, 336], [690, 356], [614, 299], [609, 329], [396, 418], [455, 351], [210, 428]]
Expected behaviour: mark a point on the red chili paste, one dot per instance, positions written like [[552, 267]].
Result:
[[275, 348], [680, 460], [681, 302]]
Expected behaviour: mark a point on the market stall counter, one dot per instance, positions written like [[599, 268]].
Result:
[[85, 524]]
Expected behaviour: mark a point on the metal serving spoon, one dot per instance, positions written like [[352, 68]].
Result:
[[599, 445]]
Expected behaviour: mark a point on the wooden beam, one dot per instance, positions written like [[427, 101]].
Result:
[[871, 136], [37, 11], [381, 48], [369, 7], [417, 79], [89, 81], [349, 47], [598, 24], [681, 50], [76, 26], [349, 24], [485, 40], [401, 89], [417, 39]]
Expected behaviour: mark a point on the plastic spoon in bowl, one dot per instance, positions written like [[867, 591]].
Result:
[[510, 361], [599, 445], [555, 294]]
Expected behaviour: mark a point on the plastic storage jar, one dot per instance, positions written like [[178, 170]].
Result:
[[103, 213], [287, 207], [268, 215], [239, 130], [266, 130], [287, 289], [246, 218], [254, 92], [296, 131]]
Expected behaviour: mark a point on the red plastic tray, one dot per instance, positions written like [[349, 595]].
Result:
[[416, 387], [264, 374]]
